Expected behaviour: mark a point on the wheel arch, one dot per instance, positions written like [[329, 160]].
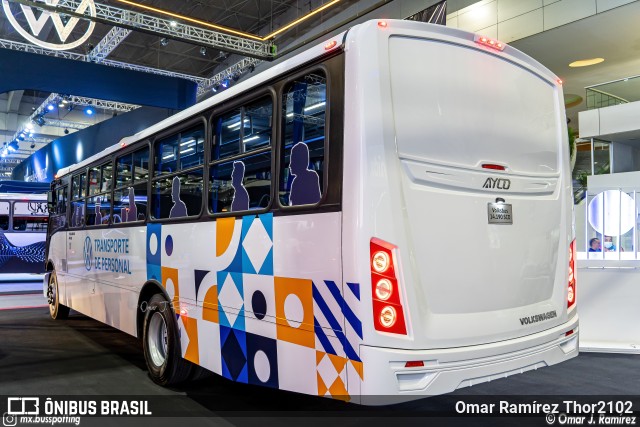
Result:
[[150, 288]]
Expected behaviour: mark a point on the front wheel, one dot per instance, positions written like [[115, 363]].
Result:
[[56, 309], [161, 344]]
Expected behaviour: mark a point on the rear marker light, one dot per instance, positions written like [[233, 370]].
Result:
[[495, 44], [493, 167], [414, 364], [388, 316], [122, 144], [568, 333], [382, 24], [380, 262], [559, 81], [330, 45], [384, 288]]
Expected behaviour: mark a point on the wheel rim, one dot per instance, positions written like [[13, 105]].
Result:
[[157, 339], [52, 295]]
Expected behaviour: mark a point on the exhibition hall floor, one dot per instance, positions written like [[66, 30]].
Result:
[[79, 356]]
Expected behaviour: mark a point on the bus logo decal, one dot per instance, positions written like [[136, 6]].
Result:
[[87, 253], [497, 183]]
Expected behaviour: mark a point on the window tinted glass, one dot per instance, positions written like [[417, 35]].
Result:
[[107, 175], [94, 181], [77, 213], [124, 167], [130, 204], [167, 155], [178, 196], [241, 185], [301, 174], [227, 134], [141, 164], [257, 132], [77, 186], [98, 210], [4, 216], [192, 147]]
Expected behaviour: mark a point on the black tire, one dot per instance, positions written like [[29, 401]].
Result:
[[56, 309], [162, 346]]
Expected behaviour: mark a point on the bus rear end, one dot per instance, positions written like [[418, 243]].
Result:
[[457, 209]]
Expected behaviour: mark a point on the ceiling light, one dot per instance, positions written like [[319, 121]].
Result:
[[89, 111], [203, 51], [65, 99], [50, 107], [33, 145], [173, 24], [164, 41], [66, 131], [586, 62]]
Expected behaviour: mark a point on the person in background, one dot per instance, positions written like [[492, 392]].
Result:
[[609, 246], [594, 245]]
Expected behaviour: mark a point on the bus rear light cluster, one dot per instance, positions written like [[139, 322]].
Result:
[[571, 287], [388, 313], [486, 41]]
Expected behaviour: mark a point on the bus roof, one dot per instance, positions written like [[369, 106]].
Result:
[[276, 70]]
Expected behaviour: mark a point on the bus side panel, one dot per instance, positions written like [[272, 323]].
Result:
[[58, 255]]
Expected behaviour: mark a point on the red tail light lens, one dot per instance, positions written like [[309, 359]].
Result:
[[388, 313], [571, 287], [486, 41], [414, 364]]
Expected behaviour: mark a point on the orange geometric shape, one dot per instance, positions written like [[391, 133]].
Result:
[[294, 311], [339, 391], [224, 233], [171, 274], [192, 353], [358, 367], [322, 388], [337, 361], [210, 305]]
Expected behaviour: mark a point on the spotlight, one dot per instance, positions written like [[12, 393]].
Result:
[[225, 84], [236, 77], [89, 111], [30, 126], [164, 41], [40, 121], [215, 88], [173, 24], [13, 145], [65, 99], [203, 51], [33, 145], [61, 104], [50, 107], [66, 131], [30, 134]]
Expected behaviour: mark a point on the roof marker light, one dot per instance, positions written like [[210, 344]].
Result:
[[559, 81], [383, 24], [495, 44], [330, 45], [123, 144]]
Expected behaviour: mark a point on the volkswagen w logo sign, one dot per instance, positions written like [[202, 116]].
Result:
[[36, 24], [87, 253]]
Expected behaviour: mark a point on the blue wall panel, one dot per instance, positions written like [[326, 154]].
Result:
[[74, 148], [20, 70]]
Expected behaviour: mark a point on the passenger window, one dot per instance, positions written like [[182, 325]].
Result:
[[77, 186], [4, 216], [30, 216], [94, 181], [167, 155], [130, 204], [124, 168], [98, 210], [77, 213], [107, 175], [243, 183], [178, 196], [303, 142], [192, 148], [141, 165]]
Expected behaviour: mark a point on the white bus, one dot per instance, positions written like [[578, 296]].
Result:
[[386, 214]]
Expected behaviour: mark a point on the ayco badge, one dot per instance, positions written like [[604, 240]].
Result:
[[64, 30], [499, 212]]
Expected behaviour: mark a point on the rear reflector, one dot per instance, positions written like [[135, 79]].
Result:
[[414, 364]]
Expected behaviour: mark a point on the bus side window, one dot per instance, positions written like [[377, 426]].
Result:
[[243, 183], [4, 216], [130, 197], [303, 140]]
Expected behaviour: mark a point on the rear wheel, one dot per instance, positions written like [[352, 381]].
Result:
[[161, 344], [56, 309]]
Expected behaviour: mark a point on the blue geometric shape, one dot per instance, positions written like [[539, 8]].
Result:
[[267, 265], [199, 275], [225, 309], [269, 347], [154, 230], [168, 245], [267, 223], [247, 266], [322, 337], [259, 304], [349, 315], [154, 272], [234, 354], [355, 289]]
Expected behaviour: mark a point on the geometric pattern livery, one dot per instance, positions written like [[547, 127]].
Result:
[[257, 244], [331, 374], [191, 350], [262, 360], [154, 253], [231, 300], [328, 301], [234, 354], [294, 311], [170, 283]]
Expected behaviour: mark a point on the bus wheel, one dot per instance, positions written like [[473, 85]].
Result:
[[161, 344], [57, 310]]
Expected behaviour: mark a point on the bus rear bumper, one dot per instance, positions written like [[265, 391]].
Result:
[[387, 380]]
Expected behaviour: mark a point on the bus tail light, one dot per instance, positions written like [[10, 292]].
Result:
[[486, 41], [571, 287], [388, 313]]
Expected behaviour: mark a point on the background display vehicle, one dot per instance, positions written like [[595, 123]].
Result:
[[384, 216]]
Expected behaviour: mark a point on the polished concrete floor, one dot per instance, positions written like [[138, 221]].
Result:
[[79, 356]]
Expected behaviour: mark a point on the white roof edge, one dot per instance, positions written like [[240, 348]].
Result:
[[276, 70]]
